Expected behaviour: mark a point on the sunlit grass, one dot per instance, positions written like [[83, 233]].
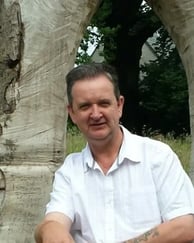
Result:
[[75, 141]]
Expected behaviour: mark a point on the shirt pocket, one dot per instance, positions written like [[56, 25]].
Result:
[[142, 209]]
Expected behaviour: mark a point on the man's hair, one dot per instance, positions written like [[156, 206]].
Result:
[[89, 71]]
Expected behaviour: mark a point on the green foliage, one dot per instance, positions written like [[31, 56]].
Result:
[[91, 38], [74, 139], [163, 90], [102, 14], [95, 33], [108, 37]]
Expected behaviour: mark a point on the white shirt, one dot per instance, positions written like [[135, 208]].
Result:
[[145, 186]]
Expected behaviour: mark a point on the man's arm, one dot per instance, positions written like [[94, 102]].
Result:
[[54, 228], [178, 230]]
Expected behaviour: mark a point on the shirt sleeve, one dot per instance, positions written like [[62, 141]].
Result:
[[174, 187], [61, 195]]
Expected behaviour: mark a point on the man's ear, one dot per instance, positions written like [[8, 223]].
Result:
[[120, 104], [121, 101], [71, 113]]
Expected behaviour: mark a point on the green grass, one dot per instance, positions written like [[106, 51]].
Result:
[[75, 142], [181, 146]]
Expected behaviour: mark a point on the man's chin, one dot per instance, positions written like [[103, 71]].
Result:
[[98, 134]]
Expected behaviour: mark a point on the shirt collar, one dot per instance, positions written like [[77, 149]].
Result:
[[87, 157], [129, 150]]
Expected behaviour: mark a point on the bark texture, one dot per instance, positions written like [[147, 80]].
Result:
[[178, 17], [38, 45]]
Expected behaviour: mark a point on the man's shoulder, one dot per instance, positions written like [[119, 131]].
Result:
[[139, 148], [139, 140], [75, 162]]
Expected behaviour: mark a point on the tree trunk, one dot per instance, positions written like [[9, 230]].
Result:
[[38, 45], [177, 16]]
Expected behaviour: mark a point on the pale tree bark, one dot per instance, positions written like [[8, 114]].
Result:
[[178, 18], [38, 45]]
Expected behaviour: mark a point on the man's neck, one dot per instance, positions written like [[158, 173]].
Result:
[[106, 153]]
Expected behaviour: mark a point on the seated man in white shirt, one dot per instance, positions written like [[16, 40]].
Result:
[[121, 187]]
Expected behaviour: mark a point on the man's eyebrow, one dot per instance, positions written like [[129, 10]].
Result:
[[100, 101], [81, 104], [104, 100]]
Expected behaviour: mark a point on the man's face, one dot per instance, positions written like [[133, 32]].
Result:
[[95, 109]]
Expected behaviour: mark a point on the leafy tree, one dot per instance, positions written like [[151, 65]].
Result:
[[163, 90], [91, 38]]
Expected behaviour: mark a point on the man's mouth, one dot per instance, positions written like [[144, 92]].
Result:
[[97, 124]]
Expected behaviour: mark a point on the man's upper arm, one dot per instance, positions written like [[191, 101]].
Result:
[[174, 188]]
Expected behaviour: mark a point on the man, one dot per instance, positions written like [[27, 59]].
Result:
[[121, 187]]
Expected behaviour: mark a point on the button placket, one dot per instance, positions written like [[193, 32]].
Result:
[[109, 209]]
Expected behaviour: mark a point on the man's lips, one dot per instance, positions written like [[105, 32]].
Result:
[[97, 124]]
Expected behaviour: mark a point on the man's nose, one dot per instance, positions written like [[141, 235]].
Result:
[[95, 112]]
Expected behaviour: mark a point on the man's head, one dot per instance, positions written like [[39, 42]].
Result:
[[89, 71], [95, 104]]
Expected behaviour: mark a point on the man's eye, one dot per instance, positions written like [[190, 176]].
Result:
[[105, 104], [84, 107]]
